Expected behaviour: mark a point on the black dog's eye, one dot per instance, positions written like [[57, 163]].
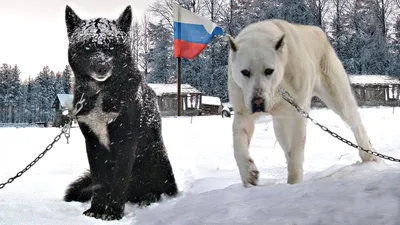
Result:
[[245, 73], [111, 48], [268, 71], [87, 48]]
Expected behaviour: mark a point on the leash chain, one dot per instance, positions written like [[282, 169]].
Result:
[[65, 130], [286, 96]]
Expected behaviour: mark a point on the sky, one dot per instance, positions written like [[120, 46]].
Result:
[[33, 33]]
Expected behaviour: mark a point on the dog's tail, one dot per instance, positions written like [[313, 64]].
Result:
[[80, 190]]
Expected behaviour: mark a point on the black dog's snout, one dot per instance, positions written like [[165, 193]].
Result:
[[257, 104], [103, 68]]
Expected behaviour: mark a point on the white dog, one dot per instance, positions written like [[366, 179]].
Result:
[[300, 59]]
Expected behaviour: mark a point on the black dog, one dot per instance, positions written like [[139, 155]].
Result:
[[119, 120]]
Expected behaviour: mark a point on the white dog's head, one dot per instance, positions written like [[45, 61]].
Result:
[[257, 66]]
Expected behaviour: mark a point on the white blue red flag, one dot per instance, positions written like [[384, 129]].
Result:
[[192, 33]]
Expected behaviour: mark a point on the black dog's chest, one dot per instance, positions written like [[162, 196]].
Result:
[[97, 119]]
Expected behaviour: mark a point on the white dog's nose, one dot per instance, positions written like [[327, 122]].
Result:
[[257, 104]]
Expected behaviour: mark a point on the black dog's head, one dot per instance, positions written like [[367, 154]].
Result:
[[98, 47]]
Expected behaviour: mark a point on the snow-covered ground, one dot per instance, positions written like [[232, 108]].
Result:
[[336, 190]]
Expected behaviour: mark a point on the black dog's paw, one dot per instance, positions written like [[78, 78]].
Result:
[[144, 203], [112, 216], [148, 199], [99, 213], [104, 215], [95, 212], [113, 212]]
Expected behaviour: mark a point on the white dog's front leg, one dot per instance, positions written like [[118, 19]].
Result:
[[243, 129], [290, 131]]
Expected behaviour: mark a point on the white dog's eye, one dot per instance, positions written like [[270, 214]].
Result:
[[268, 71], [245, 73]]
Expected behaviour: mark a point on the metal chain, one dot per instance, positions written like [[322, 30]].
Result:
[[65, 130], [292, 102]]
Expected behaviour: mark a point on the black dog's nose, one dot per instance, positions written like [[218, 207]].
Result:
[[257, 104], [103, 68]]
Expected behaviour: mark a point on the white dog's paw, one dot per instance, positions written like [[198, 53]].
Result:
[[249, 173], [366, 157]]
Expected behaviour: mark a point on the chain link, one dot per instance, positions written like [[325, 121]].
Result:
[[66, 129], [286, 96]]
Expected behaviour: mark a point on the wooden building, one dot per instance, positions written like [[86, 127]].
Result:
[[210, 105], [167, 99], [61, 103], [372, 90]]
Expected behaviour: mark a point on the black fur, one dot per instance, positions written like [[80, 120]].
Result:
[[134, 166], [80, 190]]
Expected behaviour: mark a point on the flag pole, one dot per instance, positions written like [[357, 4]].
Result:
[[179, 86]]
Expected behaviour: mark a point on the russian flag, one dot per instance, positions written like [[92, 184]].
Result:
[[192, 33]]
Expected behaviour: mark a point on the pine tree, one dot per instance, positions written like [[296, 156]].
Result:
[[46, 93], [11, 92], [395, 48], [66, 79], [30, 104], [58, 84], [160, 54], [296, 11]]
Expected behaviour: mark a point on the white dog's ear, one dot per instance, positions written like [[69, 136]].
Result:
[[232, 43], [280, 43]]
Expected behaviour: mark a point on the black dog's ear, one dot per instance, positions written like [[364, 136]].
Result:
[[280, 43], [124, 21], [71, 19]]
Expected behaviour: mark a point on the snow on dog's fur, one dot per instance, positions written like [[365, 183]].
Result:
[[299, 58], [119, 120]]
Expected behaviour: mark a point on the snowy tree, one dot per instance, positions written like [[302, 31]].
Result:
[[11, 92], [296, 11], [397, 30], [30, 101], [162, 10], [144, 47], [160, 56], [382, 11], [395, 47], [66, 79], [318, 9], [58, 84], [45, 94], [340, 26], [136, 37]]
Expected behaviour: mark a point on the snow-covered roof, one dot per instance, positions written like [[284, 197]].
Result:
[[226, 104], [373, 79], [210, 100], [163, 89], [65, 100]]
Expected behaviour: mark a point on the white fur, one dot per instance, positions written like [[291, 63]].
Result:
[[97, 120], [305, 65], [100, 78]]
